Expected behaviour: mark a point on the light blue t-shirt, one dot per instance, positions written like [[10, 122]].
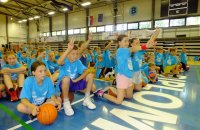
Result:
[[88, 58], [72, 70], [159, 58], [1, 54], [14, 76], [95, 56], [124, 62], [165, 55], [137, 60], [25, 48], [170, 60], [19, 53], [36, 93], [52, 66], [98, 70], [24, 60], [113, 61], [57, 57], [183, 57], [107, 59]]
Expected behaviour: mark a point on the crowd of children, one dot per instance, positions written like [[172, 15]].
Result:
[[50, 76]]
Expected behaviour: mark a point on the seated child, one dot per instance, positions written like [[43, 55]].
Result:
[[99, 66], [13, 71], [37, 90], [152, 73]]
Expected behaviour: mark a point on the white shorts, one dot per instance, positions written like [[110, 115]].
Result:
[[137, 77]]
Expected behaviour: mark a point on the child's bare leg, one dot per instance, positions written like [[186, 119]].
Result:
[[20, 80], [8, 81], [117, 100]]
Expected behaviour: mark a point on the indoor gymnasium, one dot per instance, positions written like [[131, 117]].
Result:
[[99, 64]]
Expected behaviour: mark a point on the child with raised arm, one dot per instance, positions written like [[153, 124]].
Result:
[[125, 69], [75, 76]]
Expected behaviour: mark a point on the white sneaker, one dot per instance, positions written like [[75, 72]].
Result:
[[68, 109], [88, 103]]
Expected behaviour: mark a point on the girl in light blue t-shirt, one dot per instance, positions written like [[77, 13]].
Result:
[[37, 90]]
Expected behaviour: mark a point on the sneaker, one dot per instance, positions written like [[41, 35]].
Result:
[[18, 91], [175, 76], [13, 96], [68, 109], [88, 103], [99, 93]]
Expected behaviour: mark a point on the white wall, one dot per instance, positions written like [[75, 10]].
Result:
[[143, 11], [16, 32], [77, 20], [44, 24], [58, 22], [2, 29], [32, 29]]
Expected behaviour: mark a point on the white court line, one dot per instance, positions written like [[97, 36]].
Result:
[[30, 121]]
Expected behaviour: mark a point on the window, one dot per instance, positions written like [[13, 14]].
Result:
[[93, 29], [101, 29], [132, 25], [177, 22], [47, 34], [121, 27], [83, 30], [76, 31], [109, 28], [58, 33], [193, 21], [162, 23], [63, 32], [70, 32], [145, 25], [53, 33], [44, 34]]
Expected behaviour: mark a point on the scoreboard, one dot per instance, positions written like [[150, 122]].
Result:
[[178, 7]]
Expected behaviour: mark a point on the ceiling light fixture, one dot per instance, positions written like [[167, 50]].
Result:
[[3, 1], [24, 20], [86, 4], [19, 21], [36, 17], [51, 13], [30, 19], [65, 9]]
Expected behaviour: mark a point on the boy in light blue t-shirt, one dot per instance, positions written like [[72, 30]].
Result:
[[74, 76], [171, 64]]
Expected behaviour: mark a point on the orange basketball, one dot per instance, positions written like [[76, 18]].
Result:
[[47, 115]]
